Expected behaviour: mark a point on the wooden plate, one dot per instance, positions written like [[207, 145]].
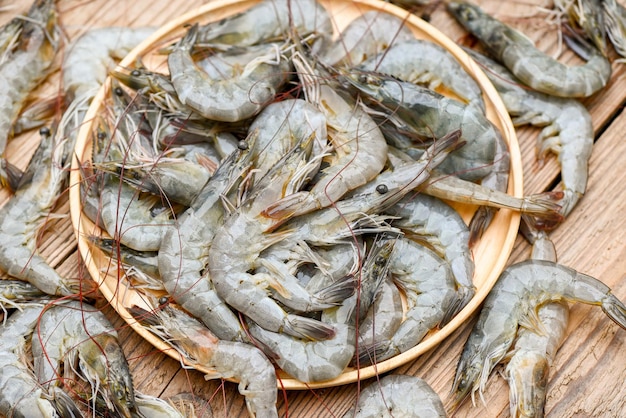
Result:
[[490, 254]]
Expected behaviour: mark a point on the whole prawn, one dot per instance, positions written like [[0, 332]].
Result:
[[198, 346], [531, 66], [22, 71], [513, 301]]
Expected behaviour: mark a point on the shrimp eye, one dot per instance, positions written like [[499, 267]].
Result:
[[118, 91], [242, 145], [101, 135], [164, 300], [45, 131], [382, 188], [135, 73], [380, 261]]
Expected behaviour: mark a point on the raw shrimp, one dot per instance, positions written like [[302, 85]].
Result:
[[369, 35], [567, 128], [88, 59], [359, 155], [428, 283], [398, 396], [512, 302], [426, 63], [531, 66], [75, 332], [20, 393], [183, 254], [531, 358], [418, 114], [14, 293], [23, 216], [430, 220], [238, 95], [236, 247], [589, 16], [22, 71], [153, 407], [615, 21], [199, 347], [269, 20]]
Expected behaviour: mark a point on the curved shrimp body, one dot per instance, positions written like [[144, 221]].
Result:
[[513, 301], [22, 217], [183, 254], [360, 153], [426, 114], [198, 346], [567, 128], [309, 361], [398, 396], [532, 356], [88, 59], [368, 35], [20, 393], [23, 70], [132, 219], [426, 63], [237, 245], [268, 20], [533, 67], [235, 97], [428, 283], [428, 219], [77, 332]]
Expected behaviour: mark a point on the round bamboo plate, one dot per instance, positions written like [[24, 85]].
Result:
[[490, 254]]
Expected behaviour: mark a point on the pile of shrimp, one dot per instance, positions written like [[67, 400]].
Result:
[[274, 195]]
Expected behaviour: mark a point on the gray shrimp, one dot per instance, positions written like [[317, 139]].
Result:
[[22, 71], [20, 393], [567, 128], [530, 360], [237, 96], [425, 114], [426, 63], [398, 396], [267, 21], [23, 216], [428, 219], [512, 302], [75, 332], [533, 67], [428, 283], [359, 153], [227, 359], [369, 35], [183, 254], [615, 21]]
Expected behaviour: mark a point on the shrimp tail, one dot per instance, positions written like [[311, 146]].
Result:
[[615, 309], [10, 175], [479, 223], [542, 210], [63, 403], [370, 354], [463, 295], [308, 328], [339, 291], [286, 207]]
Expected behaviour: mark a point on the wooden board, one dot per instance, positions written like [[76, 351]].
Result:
[[588, 378]]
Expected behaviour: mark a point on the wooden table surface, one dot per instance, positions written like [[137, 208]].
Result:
[[588, 378]]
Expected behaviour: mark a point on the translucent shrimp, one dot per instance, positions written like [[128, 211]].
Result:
[[532, 356], [567, 128], [429, 286], [512, 302], [426, 63], [236, 96], [23, 216], [398, 396], [198, 346], [22, 71], [368, 35], [531, 66], [237, 245], [430, 220], [20, 393], [75, 332], [420, 114]]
